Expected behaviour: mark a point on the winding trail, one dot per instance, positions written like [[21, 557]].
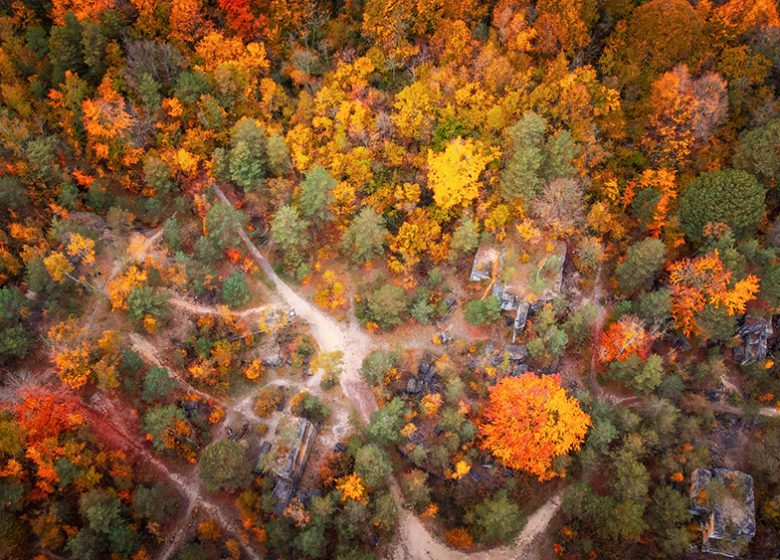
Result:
[[105, 414], [415, 542], [199, 309]]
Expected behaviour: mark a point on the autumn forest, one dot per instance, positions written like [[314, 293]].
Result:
[[389, 279]]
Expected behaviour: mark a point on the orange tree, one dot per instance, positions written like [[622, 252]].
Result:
[[530, 421], [704, 281]]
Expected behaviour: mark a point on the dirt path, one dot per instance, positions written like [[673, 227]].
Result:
[[149, 352], [415, 541], [199, 309]]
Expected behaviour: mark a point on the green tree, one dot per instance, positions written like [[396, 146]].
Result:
[[223, 465], [644, 261], [535, 158], [496, 519], [387, 306], [157, 175], [102, 510], [65, 50], [245, 170], [669, 517], [159, 422], [372, 465], [311, 541], [146, 300], [157, 384], [732, 197], [278, 156], [365, 236], [172, 234], [385, 425], [288, 231], [223, 222], [758, 152], [248, 154], [235, 291], [14, 339], [416, 489], [316, 194], [465, 238], [481, 311], [376, 365], [153, 503]]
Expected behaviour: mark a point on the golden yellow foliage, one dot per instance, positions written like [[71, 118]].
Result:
[[454, 173]]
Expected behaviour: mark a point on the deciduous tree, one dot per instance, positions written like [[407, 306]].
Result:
[[530, 421]]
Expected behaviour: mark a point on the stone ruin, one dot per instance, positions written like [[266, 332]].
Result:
[[723, 501], [755, 333]]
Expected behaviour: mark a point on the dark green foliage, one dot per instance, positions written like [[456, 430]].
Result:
[[465, 238], [372, 465], [497, 519], [153, 503], [146, 300], [386, 423], [535, 158], [15, 341], [65, 50], [644, 376], [728, 196], [311, 541], [223, 465], [279, 163], [157, 175], [479, 312], [758, 152], [365, 236], [644, 261], [222, 223], [157, 384], [248, 157], [235, 291], [316, 194], [172, 234], [386, 306], [311, 407], [288, 231], [376, 365]]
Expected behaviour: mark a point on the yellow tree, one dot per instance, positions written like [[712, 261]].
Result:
[[454, 173]]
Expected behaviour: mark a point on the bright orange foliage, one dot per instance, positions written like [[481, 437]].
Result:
[[530, 420], [82, 9], [352, 488], [703, 280], [460, 538], [623, 339]]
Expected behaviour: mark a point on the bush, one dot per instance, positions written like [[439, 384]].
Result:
[[481, 311]]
